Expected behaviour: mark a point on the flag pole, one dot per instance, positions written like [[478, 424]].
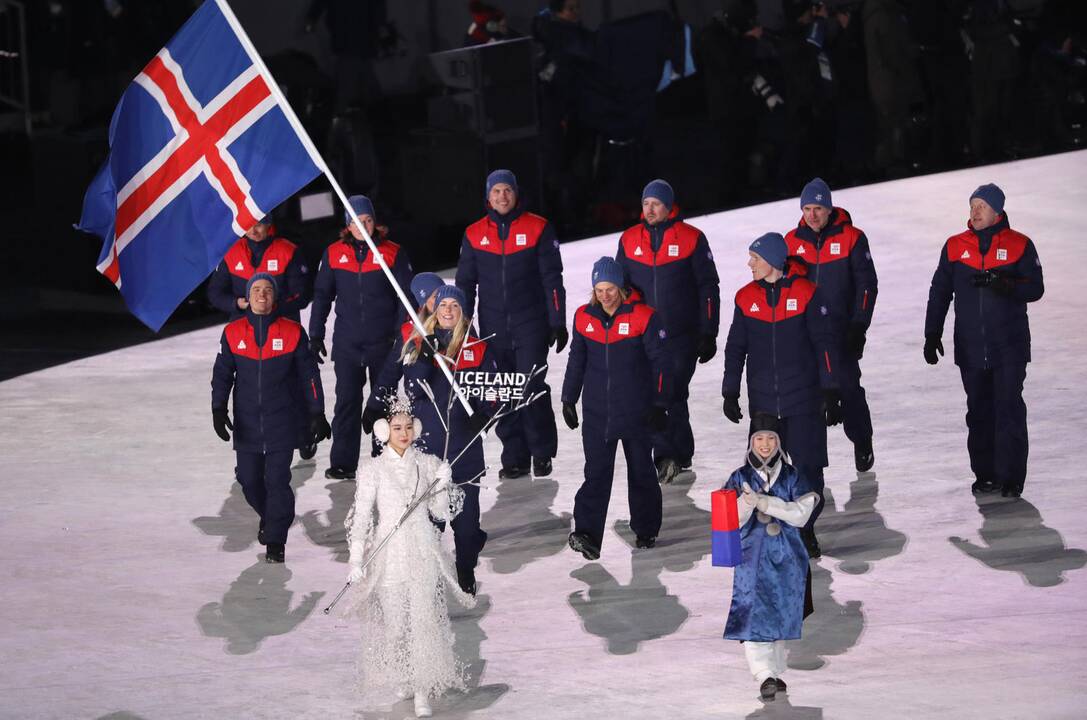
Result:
[[319, 161]]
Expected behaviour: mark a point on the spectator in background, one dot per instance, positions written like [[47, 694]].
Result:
[[356, 29], [996, 68], [488, 25], [893, 81]]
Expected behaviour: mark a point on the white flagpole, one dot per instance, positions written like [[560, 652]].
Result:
[[319, 161]]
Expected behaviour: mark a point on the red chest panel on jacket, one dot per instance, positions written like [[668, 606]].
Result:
[[1007, 248], [624, 325], [282, 339], [679, 243], [524, 234], [836, 247], [274, 261], [751, 299], [471, 354], [341, 256]]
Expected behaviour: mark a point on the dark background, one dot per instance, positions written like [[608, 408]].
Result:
[[978, 81]]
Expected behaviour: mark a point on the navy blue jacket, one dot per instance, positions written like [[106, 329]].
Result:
[[839, 261], [515, 262], [275, 256], [672, 265], [990, 329], [267, 363], [474, 356], [618, 366], [783, 332], [368, 312]]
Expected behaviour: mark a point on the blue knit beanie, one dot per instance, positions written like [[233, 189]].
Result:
[[501, 176], [661, 190], [423, 285], [453, 292], [817, 192], [992, 195], [607, 270], [360, 205], [262, 276], [771, 247]]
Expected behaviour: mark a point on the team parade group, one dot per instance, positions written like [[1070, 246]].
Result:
[[799, 328]]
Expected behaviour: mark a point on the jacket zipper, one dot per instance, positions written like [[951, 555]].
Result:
[[505, 290], [607, 374], [774, 345], [260, 387], [981, 311]]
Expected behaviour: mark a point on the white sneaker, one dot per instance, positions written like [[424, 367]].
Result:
[[422, 707], [404, 692]]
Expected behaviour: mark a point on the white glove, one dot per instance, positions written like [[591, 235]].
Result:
[[355, 575], [445, 473], [761, 503], [749, 497]]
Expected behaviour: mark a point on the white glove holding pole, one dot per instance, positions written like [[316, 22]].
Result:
[[749, 497], [444, 474], [355, 575]]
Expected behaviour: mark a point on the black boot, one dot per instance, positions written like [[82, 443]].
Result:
[[811, 543], [541, 466], [1011, 490], [340, 473], [467, 580], [667, 469], [768, 689], [582, 543], [275, 553], [645, 542], [984, 485], [306, 452], [511, 473], [863, 455], [782, 687]]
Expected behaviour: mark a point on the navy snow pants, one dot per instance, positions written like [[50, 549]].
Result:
[[643, 490], [528, 433], [266, 483], [350, 398], [996, 422]]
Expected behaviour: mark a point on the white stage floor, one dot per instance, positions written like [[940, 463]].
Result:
[[133, 586]]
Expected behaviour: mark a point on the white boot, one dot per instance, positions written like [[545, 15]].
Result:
[[422, 707]]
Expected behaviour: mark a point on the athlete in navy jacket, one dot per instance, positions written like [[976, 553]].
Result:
[[265, 360], [839, 262], [450, 327], [619, 368], [512, 257], [368, 318], [781, 331], [671, 263], [257, 252], [992, 272]]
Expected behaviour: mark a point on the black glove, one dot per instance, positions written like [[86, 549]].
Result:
[[477, 422], [569, 414], [855, 339], [559, 338], [657, 418], [997, 281], [317, 347], [319, 429], [832, 406], [429, 347], [369, 417], [731, 408], [933, 345], [707, 348], [221, 422]]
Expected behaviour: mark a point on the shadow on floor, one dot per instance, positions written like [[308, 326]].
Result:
[[257, 606], [781, 708], [521, 527], [625, 616], [331, 534], [1016, 540], [831, 630], [857, 535], [236, 522]]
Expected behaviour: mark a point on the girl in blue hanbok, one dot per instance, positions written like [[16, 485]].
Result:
[[771, 590]]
